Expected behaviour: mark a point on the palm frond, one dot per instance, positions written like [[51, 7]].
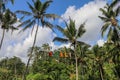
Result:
[[117, 11], [59, 28], [31, 7], [12, 21], [48, 24], [67, 34], [28, 25], [111, 12], [60, 39], [104, 18], [23, 12], [38, 5], [71, 28], [24, 23], [110, 34], [114, 3], [115, 37], [13, 28], [53, 16], [81, 30], [104, 28], [83, 43], [21, 18], [45, 5], [104, 12]]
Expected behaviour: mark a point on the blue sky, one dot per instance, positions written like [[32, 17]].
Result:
[[57, 6], [79, 10]]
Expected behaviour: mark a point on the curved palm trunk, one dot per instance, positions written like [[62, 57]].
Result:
[[26, 69], [3, 34], [101, 71]]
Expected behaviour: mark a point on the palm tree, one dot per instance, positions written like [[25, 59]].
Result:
[[37, 16], [4, 15], [3, 3], [110, 20], [8, 19], [111, 23], [99, 57], [82, 51], [71, 35], [46, 49], [36, 53]]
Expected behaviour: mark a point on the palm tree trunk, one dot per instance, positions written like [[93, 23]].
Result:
[[3, 34], [15, 71], [101, 72], [26, 70], [76, 62]]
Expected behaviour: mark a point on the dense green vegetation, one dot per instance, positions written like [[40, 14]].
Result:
[[78, 62]]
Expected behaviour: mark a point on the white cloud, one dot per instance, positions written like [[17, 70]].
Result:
[[100, 42], [18, 44], [89, 13]]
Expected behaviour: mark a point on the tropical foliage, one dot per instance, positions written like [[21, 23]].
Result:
[[79, 61]]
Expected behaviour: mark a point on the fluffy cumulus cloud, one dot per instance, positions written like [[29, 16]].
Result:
[[88, 13], [18, 44]]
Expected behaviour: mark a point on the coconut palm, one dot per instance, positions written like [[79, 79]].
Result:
[[37, 16], [8, 19], [4, 15], [110, 20], [71, 35]]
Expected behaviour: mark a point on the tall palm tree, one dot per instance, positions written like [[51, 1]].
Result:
[[5, 18], [110, 20], [37, 16], [8, 19], [71, 35]]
